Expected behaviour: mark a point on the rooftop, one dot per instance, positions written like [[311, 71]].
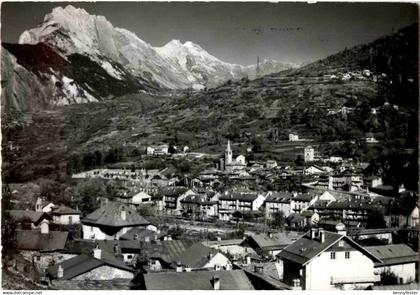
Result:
[[110, 215], [394, 254], [83, 263], [197, 280], [276, 240], [35, 240], [303, 250], [64, 210]]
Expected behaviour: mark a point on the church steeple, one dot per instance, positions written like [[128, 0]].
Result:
[[228, 154]]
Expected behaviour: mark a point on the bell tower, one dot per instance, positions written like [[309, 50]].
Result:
[[228, 154]]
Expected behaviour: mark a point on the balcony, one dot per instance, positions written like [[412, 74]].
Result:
[[353, 280]]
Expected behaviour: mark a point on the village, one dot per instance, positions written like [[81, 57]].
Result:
[[224, 229]]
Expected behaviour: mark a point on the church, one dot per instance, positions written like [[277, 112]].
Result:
[[228, 164]]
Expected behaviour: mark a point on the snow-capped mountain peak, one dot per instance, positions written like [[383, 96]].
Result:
[[175, 65]]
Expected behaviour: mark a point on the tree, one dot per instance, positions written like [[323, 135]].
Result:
[[146, 210], [279, 219], [87, 194], [375, 220]]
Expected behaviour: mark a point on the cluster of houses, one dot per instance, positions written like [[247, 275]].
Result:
[[321, 240], [120, 245]]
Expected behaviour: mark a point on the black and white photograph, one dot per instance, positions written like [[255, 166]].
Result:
[[209, 146]]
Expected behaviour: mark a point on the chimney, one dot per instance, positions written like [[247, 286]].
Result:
[[123, 214], [322, 235], [60, 272], [313, 232], [45, 228], [216, 283], [179, 267], [97, 252], [270, 235]]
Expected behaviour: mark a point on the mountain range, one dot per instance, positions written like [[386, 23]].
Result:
[[75, 57]]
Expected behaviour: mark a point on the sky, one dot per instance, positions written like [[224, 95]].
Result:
[[236, 32]]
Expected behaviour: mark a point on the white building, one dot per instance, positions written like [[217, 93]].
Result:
[[309, 154], [111, 221], [322, 260], [293, 137], [398, 259], [245, 201], [157, 150], [65, 215], [232, 165]]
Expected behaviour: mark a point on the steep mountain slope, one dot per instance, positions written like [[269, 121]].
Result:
[[174, 65], [36, 77]]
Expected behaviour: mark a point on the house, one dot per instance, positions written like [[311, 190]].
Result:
[[157, 150], [135, 199], [398, 259], [199, 256], [265, 275], [41, 247], [42, 205], [198, 280], [402, 213], [198, 206], [323, 260], [234, 247], [373, 181], [314, 169], [26, 218], [92, 268], [241, 201], [65, 215], [171, 198], [111, 221], [300, 202], [276, 202], [370, 138], [308, 154], [272, 243], [293, 137]]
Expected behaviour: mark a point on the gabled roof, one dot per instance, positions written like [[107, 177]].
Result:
[[276, 241], [393, 254], [35, 240], [22, 215], [83, 263], [305, 249], [241, 196], [196, 256], [173, 191], [64, 210], [166, 250], [279, 197], [197, 199], [197, 280], [304, 197], [110, 215]]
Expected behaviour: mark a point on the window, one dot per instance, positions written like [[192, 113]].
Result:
[[332, 255], [347, 255], [70, 219]]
